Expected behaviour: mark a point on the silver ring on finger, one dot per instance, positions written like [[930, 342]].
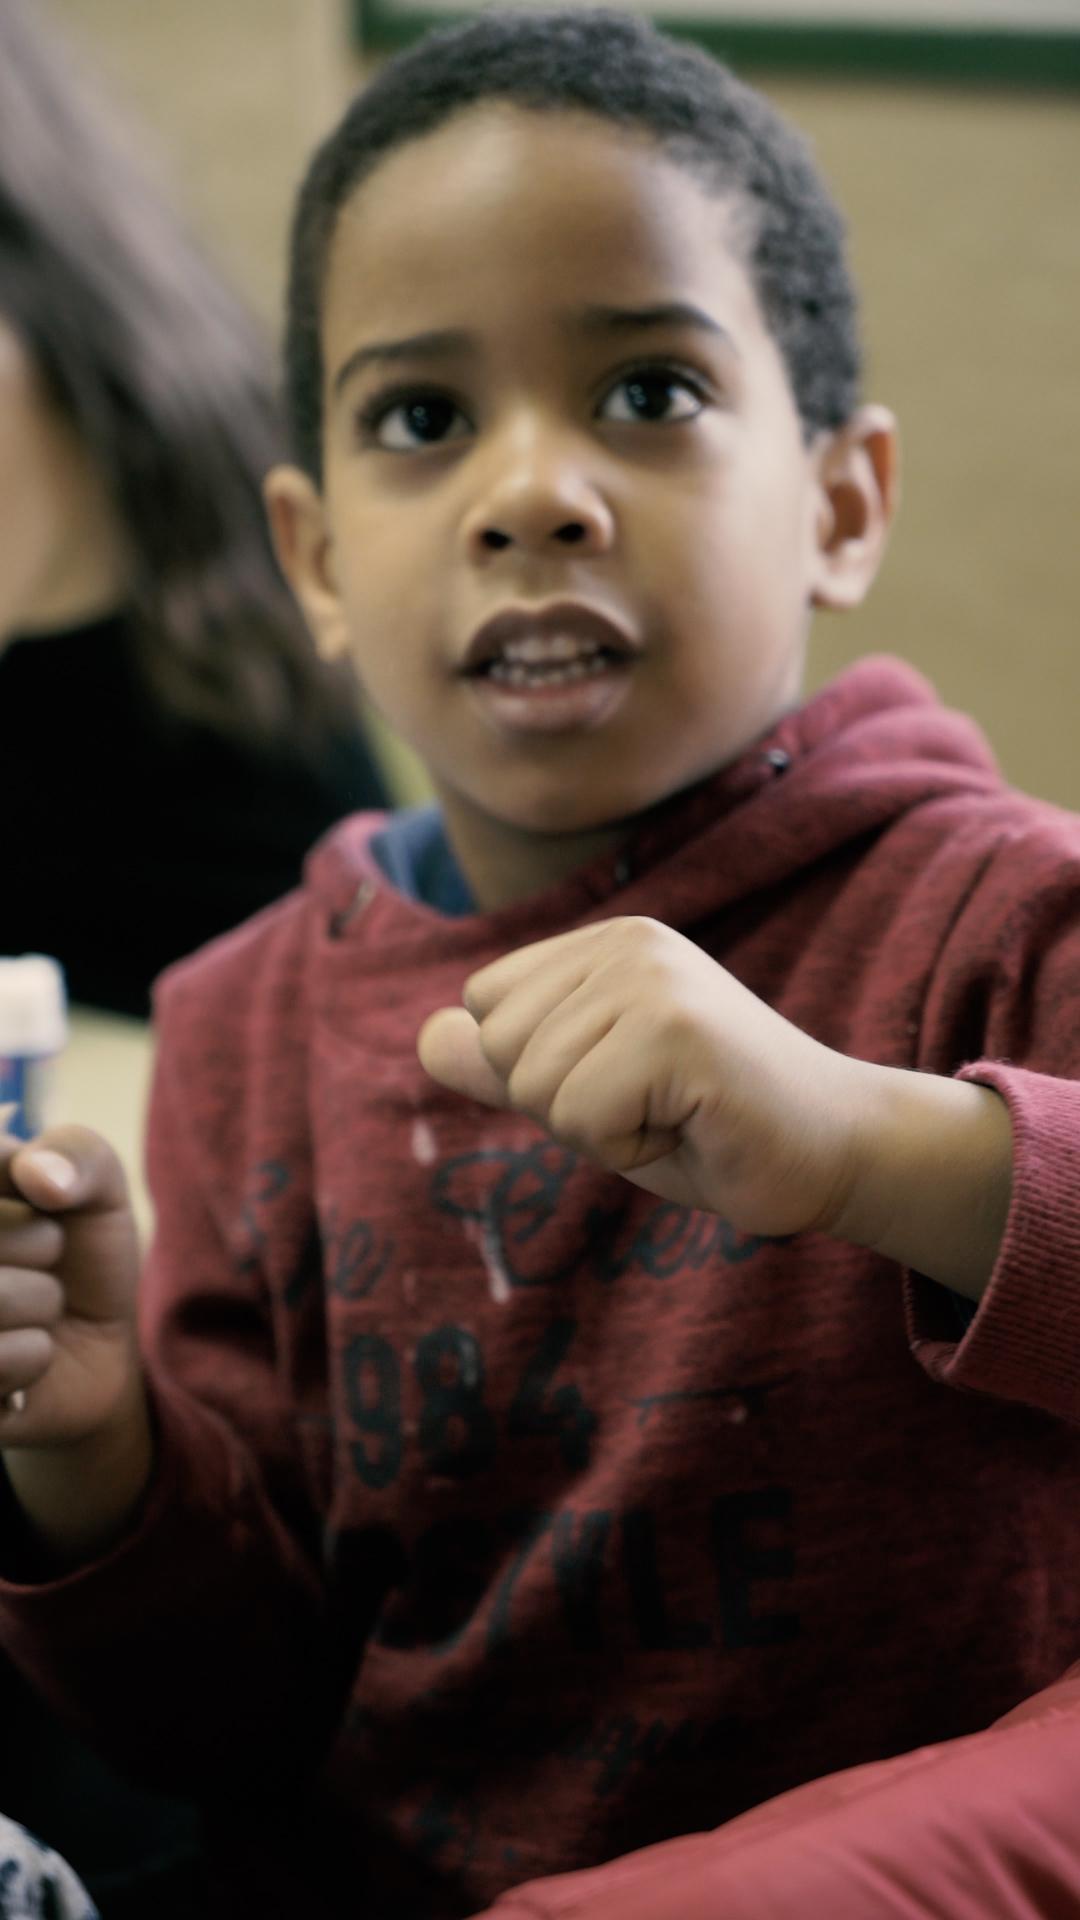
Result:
[[14, 1402]]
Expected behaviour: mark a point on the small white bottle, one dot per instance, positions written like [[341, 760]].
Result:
[[33, 1029]]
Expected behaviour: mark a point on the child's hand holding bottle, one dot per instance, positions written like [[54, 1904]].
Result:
[[74, 1431]]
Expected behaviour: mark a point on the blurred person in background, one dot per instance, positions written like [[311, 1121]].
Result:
[[172, 746], [174, 743]]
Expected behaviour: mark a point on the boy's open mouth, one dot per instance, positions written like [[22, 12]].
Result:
[[556, 669], [549, 646], [554, 662]]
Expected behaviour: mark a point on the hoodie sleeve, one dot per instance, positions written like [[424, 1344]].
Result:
[[231, 1682], [981, 1828], [1008, 988]]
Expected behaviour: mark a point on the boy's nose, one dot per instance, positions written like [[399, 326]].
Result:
[[539, 502]]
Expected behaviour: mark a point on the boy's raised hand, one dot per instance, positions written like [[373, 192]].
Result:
[[69, 1260], [629, 1043]]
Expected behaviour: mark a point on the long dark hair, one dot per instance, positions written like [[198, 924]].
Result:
[[166, 380]]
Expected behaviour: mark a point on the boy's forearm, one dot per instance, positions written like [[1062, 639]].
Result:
[[934, 1178], [78, 1499]]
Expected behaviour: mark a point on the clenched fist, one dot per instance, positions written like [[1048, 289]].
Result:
[[629, 1043], [69, 1262]]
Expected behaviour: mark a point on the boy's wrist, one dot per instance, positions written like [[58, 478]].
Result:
[[79, 1497], [932, 1175]]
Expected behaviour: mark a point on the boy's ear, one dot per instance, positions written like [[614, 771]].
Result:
[[858, 479], [304, 549]]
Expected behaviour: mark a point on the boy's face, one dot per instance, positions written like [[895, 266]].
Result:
[[570, 530]]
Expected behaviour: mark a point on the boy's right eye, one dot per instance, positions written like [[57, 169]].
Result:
[[400, 423]]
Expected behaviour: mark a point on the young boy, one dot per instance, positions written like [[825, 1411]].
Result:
[[648, 1391]]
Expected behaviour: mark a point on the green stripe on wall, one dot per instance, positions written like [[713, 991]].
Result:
[[951, 54]]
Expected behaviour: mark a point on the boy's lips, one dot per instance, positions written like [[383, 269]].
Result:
[[559, 668], [560, 631]]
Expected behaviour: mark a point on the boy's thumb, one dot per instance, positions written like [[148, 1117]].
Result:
[[449, 1048], [66, 1168]]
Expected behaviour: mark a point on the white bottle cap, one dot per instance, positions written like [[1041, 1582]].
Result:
[[33, 1009]]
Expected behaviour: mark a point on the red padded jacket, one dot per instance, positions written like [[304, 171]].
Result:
[[984, 1828]]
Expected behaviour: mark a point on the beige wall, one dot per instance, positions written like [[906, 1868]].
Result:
[[967, 243], [232, 95]]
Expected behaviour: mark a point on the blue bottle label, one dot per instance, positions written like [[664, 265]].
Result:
[[22, 1084]]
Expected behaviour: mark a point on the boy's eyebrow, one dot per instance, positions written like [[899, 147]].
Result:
[[442, 343], [445, 342], [668, 313]]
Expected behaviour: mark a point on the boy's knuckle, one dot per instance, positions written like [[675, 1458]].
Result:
[[498, 1046], [569, 1121], [636, 929], [527, 1091]]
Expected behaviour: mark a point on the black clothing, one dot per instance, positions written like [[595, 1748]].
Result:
[[137, 1853], [133, 837], [137, 836]]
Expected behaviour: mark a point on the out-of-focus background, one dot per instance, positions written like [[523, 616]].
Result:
[[962, 204]]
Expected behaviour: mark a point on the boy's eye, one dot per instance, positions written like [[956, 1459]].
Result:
[[657, 394], [415, 420]]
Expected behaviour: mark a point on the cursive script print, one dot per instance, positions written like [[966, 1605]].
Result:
[[510, 1196]]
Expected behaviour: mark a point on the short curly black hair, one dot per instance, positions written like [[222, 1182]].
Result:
[[619, 68]]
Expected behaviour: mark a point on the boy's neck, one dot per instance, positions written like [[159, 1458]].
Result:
[[503, 864]]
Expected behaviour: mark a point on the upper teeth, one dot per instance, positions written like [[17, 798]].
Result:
[[540, 649]]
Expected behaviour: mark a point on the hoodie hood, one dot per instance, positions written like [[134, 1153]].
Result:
[[865, 750]]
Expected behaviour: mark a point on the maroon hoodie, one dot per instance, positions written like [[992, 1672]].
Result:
[[508, 1518]]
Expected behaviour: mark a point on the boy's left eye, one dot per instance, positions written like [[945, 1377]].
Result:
[[652, 394]]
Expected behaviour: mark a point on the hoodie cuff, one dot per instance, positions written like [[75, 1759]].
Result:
[[1024, 1340], [33, 1593]]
